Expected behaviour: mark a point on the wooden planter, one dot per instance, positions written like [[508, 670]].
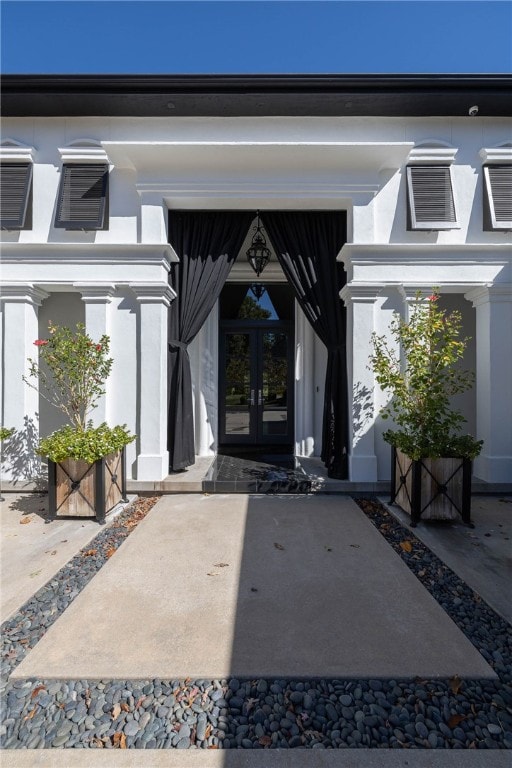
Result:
[[79, 489], [431, 489]]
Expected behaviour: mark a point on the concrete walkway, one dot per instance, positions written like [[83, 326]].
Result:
[[31, 551], [275, 758], [481, 556], [254, 586]]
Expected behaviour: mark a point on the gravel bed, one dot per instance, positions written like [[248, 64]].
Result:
[[262, 714]]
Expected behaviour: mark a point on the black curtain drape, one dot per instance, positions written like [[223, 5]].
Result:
[[306, 244], [207, 243]]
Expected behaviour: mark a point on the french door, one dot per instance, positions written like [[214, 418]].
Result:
[[256, 384]]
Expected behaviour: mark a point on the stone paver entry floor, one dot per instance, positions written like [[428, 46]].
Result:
[[254, 586]]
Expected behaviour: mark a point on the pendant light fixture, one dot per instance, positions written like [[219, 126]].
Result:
[[258, 255]]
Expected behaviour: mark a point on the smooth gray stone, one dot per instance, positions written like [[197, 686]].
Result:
[[131, 728]]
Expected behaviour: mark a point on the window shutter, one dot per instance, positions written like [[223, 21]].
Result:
[[82, 201], [498, 197], [15, 195], [430, 197]]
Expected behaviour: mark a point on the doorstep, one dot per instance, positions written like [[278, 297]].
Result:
[[202, 478]]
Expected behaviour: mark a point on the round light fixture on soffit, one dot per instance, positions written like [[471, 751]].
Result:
[[258, 255]]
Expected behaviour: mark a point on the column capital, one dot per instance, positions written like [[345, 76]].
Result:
[[96, 293], [25, 293], [409, 291], [491, 293], [361, 292], [153, 293]]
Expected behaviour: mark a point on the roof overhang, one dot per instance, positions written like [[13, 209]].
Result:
[[256, 95], [235, 158]]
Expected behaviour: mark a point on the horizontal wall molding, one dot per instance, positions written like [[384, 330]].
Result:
[[89, 253]]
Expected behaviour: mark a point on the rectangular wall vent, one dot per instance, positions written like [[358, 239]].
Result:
[[498, 197], [430, 197], [15, 195], [83, 197]]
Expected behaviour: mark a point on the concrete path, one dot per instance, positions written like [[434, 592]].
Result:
[[254, 586], [32, 551], [481, 556], [275, 758]]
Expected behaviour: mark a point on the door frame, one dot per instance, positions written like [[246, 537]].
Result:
[[248, 326]]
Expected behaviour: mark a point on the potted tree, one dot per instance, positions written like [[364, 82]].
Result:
[[86, 464], [431, 458]]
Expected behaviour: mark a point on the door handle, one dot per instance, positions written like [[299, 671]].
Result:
[[252, 396], [260, 397]]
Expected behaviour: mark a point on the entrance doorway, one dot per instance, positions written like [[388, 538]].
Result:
[[256, 369]]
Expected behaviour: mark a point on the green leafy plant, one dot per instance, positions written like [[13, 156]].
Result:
[[88, 444], [422, 378], [72, 370], [5, 433]]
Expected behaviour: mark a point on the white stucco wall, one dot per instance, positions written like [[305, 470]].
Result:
[[351, 164]]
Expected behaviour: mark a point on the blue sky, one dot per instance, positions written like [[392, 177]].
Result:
[[256, 36]]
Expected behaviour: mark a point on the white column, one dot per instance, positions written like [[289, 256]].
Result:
[[360, 301], [409, 295], [97, 300], [153, 458], [493, 305], [20, 403], [304, 385], [153, 218]]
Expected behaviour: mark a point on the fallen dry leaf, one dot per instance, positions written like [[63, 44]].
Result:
[[98, 743], [90, 553], [119, 740], [455, 720], [455, 684], [406, 545], [51, 552], [37, 690], [265, 740], [278, 546], [356, 546], [124, 706], [213, 574], [249, 704], [208, 731], [110, 551], [116, 711], [213, 746], [31, 714], [139, 702], [25, 520], [221, 565]]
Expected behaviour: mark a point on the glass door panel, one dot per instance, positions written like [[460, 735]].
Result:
[[255, 384], [275, 374], [237, 389]]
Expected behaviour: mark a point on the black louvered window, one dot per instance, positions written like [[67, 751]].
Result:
[[83, 197], [15, 195], [498, 197], [430, 197]]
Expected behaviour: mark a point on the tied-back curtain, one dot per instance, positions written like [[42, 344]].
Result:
[[207, 243], [306, 244]]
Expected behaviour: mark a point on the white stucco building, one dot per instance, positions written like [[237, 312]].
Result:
[[418, 167]]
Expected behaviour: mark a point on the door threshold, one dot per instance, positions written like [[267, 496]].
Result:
[[262, 473]]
